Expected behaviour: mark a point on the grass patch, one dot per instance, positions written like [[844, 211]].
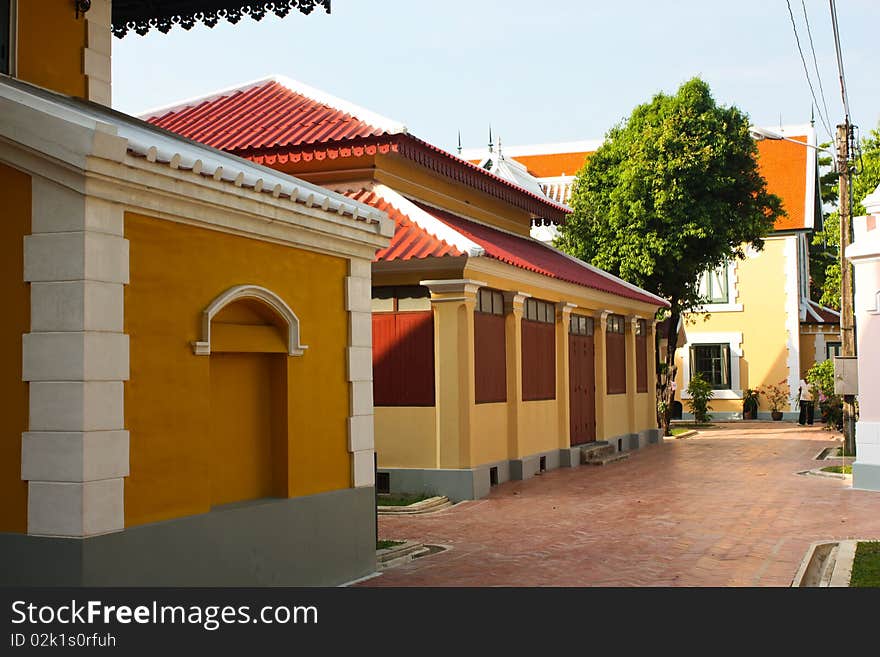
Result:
[[400, 500], [866, 565], [385, 544], [838, 469]]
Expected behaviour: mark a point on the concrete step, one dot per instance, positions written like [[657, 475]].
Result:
[[605, 460], [429, 505], [592, 452]]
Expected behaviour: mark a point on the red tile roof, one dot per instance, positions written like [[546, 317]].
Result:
[[275, 122], [535, 256], [413, 241], [409, 240], [819, 314], [268, 115]]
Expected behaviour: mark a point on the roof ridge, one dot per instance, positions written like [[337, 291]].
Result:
[[295, 86]]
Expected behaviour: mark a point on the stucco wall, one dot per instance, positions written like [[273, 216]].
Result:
[[489, 433], [51, 41], [761, 289], [406, 436], [176, 271]]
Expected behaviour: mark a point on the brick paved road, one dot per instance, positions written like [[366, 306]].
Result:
[[724, 509]]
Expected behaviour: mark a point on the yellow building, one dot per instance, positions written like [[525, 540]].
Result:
[[759, 326], [495, 356], [187, 340]]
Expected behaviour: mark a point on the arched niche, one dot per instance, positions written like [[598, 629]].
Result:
[[255, 293]]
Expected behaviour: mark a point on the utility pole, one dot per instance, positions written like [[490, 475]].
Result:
[[847, 330]]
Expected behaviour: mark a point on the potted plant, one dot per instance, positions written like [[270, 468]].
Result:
[[778, 396], [750, 404], [701, 393]]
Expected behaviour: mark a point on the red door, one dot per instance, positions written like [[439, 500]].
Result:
[[582, 389]]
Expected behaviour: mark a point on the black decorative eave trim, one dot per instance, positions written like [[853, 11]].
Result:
[[143, 15]]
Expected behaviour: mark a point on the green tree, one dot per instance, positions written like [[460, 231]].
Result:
[[824, 260], [673, 192]]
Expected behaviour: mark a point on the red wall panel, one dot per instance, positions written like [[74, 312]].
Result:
[[538, 360], [403, 359], [490, 358]]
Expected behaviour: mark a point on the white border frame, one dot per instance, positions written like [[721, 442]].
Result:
[[233, 294], [733, 339]]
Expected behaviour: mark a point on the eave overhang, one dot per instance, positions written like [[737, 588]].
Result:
[[141, 16]]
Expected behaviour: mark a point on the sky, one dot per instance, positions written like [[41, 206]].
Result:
[[538, 72]]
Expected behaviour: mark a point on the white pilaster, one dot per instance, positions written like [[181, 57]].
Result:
[[358, 296], [75, 358]]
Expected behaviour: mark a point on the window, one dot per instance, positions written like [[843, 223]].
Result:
[[490, 349], [832, 349], [713, 362], [5, 36], [401, 298], [403, 346], [538, 350], [714, 286], [580, 325], [641, 356], [615, 360], [539, 311], [490, 302]]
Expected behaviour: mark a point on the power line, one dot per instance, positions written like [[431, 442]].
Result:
[[816, 65], [843, 93], [797, 40]]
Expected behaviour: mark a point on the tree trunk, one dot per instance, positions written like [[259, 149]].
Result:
[[665, 393]]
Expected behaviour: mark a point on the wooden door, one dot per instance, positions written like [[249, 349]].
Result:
[[582, 389]]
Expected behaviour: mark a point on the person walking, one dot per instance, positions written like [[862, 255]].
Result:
[[805, 400]]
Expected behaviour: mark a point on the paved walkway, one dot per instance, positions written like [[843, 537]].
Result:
[[722, 509]]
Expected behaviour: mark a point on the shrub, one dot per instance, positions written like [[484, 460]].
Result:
[[778, 395], [701, 392], [750, 402], [821, 379]]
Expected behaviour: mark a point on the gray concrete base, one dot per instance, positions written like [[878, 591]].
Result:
[[318, 540], [866, 476], [650, 437], [735, 415], [570, 457], [456, 484], [528, 466]]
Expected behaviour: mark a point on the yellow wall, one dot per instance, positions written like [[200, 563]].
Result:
[[762, 322], [50, 46], [489, 433], [406, 436], [646, 415], [616, 417], [15, 223], [538, 427], [176, 271]]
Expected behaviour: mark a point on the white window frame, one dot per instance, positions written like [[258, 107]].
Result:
[[735, 342], [730, 306]]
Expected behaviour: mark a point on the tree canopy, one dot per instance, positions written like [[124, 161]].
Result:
[[674, 191], [824, 262]]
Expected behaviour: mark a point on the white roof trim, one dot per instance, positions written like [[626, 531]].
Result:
[[362, 113], [158, 145], [428, 223]]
